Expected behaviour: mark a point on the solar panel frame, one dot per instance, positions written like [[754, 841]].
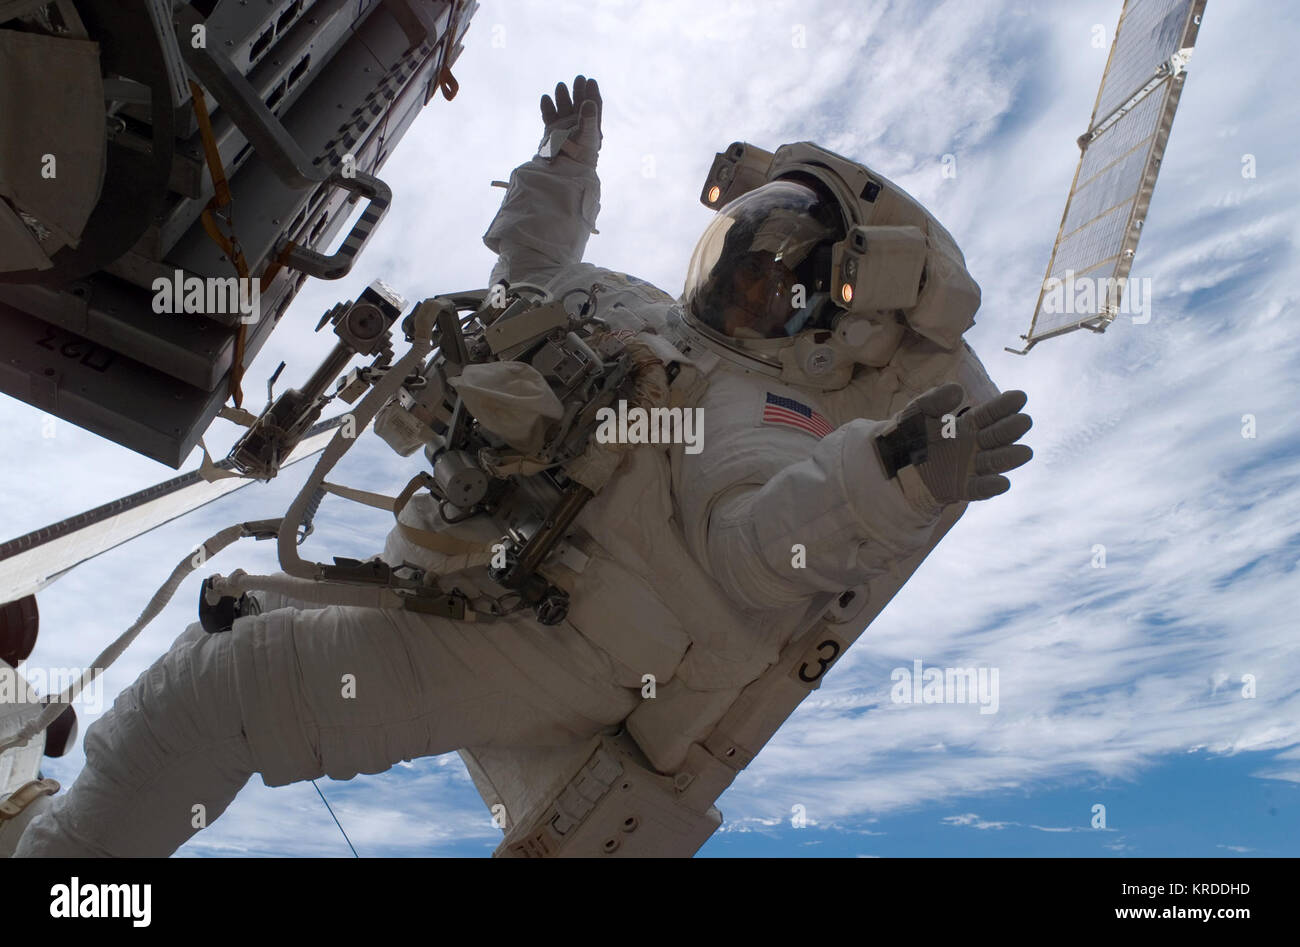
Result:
[[1125, 135]]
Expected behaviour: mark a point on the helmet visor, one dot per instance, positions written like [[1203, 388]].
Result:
[[761, 269]]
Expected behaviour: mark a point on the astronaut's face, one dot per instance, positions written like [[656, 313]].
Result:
[[759, 304]]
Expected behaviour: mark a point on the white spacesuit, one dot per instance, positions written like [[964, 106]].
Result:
[[696, 568]]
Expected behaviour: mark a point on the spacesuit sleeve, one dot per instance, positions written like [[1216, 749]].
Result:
[[827, 523], [545, 219]]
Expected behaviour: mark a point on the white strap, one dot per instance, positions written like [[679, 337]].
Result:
[[54, 707]]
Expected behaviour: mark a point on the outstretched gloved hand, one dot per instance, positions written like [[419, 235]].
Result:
[[572, 124], [942, 458]]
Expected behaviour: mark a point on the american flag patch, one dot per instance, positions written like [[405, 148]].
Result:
[[781, 410]]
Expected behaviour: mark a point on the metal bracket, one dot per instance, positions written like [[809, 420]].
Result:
[[339, 263]]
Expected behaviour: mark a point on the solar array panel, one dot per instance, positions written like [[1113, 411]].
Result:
[[1122, 152], [1149, 32]]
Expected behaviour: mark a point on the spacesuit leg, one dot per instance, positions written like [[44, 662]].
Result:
[[300, 694]]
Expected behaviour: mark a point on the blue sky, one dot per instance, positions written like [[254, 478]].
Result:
[[1119, 686], [1171, 809]]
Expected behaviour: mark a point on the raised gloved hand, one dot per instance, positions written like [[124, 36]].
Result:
[[942, 458], [572, 124]]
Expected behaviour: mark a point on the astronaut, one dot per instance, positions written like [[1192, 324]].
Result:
[[686, 571]]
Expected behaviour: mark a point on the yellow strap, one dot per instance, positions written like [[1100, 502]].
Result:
[[221, 190], [229, 244]]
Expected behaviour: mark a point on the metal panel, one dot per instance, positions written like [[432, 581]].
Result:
[[112, 395], [108, 312], [98, 389]]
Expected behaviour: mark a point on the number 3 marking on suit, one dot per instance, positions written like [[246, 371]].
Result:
[[823, 661]]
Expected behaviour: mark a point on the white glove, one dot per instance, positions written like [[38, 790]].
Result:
[[942, 458], [572, 124]]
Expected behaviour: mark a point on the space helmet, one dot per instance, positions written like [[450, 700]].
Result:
[[815, 264]]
